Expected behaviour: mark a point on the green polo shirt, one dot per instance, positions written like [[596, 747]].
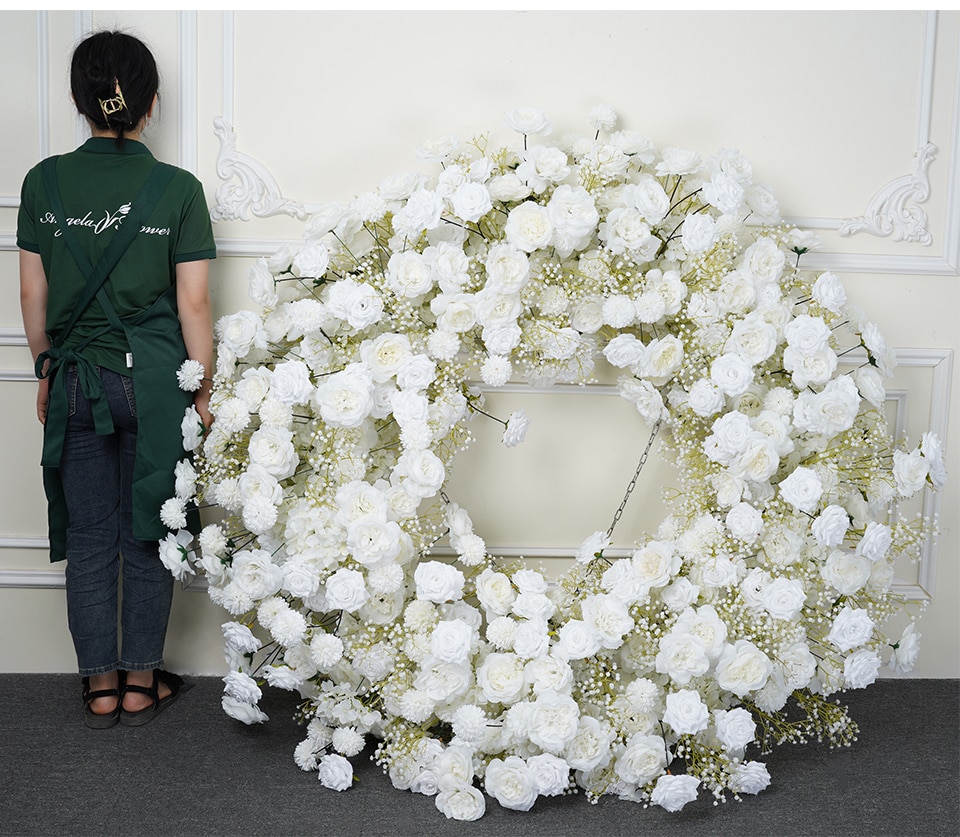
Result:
[[98, 182]]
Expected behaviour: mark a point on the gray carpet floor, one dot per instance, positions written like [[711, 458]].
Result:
[[194, 771]]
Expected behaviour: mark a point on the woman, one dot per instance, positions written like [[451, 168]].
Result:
[[114, 251]]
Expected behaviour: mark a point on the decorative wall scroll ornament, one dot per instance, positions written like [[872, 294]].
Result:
[[892, 212], [252, 190], [340, 408]]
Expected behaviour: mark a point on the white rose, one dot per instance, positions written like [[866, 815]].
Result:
[[642, 760], [273, 449], [680, 595], [753, 339], [438, 582], [335, 772], [724, 192], [577, 641], [451, 641], [312, 260], [807, 334], [624, 351], [554, 721], [409, 274], [384, 354], [829, 293], [749, 777], [527, 120], [758, 461], [783, 598], [261, 284], [802, 489], [609, 617], [290, 382], [875, 542], [590, 747], [551, 774], [507, 188], [528, 227], [910, 471], [422, 472], [661, 359], [500, 340], [495, 592], [241, 332], [705, 398], [743, 668], [422, 211], [357, 303], [648, 197], [543, 166], [417, 372], [511, 783], [678, 161], [870, 384], [248, 713], [851, 627], [255, 574], [656, 563], [346, 590], [500, 678], [174, 554], [860, 668], [508, 269], [686, 713], [732, 374], [464, 803], [699, 233], [574, 216], [587, 315], [846, 572], [471, 202], [682, 657], [735, 728], [625, 230], [744, 522], [905, 651], [765, 260]]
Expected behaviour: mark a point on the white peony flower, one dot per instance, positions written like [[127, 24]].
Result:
[[511, 783]]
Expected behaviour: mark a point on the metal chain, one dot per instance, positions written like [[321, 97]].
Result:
[[633, 482]]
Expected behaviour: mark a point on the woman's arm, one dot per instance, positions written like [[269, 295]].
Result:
[[193, 303], [33, 307]]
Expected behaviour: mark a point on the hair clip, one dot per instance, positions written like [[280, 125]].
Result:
[[113, 105]]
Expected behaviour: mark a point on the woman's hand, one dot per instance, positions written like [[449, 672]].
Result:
[[43, 396]]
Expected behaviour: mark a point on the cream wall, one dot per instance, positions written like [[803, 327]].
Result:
[[852, 118]]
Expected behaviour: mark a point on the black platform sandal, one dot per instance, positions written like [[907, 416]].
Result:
[[147, 714], [97, 720]]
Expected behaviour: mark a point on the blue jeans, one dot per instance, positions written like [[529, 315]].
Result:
[[97, 477]]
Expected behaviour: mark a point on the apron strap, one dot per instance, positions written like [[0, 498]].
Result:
[[96, 275], [141, 207]]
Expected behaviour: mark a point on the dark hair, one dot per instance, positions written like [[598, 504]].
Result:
[[113, 78]]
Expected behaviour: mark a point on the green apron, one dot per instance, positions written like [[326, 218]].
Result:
[[157, 351]]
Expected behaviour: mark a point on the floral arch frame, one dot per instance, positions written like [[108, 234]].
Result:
[[341, 404]]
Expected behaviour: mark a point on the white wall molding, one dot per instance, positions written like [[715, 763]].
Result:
[[13, 337], [249, 186], [187, 89], [892, 212]]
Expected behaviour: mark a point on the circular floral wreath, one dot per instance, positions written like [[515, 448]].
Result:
[[340, 408]]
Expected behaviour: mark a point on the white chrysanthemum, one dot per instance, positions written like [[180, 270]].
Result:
[[495, 371]]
